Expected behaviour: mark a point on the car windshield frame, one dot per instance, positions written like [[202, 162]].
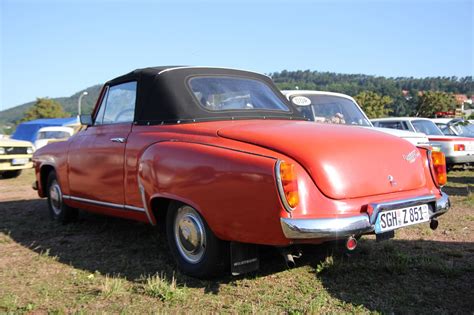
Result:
[[312, 111]]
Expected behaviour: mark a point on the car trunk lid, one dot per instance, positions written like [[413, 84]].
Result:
[[344, 161]]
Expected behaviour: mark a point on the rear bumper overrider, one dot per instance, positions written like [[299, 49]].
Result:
[[358, 224]]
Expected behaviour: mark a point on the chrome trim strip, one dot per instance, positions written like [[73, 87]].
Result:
[[145, 206], [132, 208], [358, 224], [206, 67], [103, 203]]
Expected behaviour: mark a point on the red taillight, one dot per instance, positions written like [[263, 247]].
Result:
[[287, 184], [459, 147], [438, 163]]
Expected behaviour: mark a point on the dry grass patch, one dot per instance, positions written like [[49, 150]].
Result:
[[158, 286]]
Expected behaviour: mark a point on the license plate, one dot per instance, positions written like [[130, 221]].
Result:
[[394, 219], [19, 161]]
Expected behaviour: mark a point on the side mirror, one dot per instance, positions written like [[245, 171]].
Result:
[[86, 120]]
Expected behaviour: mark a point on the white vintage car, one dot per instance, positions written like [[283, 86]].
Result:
[[455, 127], [329, 107], [52, 134], [458, 150]]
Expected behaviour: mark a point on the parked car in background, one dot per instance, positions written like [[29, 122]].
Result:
[[458, 150], [15, 156], [455, 127], [226, 163], [337, 108], [52, 134], [28, 130]]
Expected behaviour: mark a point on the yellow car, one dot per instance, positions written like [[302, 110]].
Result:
[[15, 155]]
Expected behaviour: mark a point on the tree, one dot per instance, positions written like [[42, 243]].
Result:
[[373, 104], [430, 102], [44, 108]]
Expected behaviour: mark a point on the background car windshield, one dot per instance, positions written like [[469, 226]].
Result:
[[53, 135], [427, 127], [227, 93], [445, 129], [464, 128], [333, 110]]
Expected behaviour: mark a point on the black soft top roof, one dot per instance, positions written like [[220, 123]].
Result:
[[163, 96]]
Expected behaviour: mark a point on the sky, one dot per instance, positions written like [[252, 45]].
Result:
[[53, 48]]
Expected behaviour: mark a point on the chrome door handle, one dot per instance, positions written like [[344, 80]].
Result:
[[119, 140]]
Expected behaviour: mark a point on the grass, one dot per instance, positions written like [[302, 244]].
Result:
[[113, 286], [107, 265], [158, 286]]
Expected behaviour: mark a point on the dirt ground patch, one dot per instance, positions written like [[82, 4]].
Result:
[[102, 264]]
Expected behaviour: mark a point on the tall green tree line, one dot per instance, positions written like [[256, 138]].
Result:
[[400, 104]]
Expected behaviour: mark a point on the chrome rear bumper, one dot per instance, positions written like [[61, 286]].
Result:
[[359, 224]]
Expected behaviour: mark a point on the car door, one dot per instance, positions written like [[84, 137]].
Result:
[[96, 155]]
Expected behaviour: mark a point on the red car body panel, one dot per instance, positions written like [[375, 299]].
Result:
[[231, 183], [96, 162], [318, 149]]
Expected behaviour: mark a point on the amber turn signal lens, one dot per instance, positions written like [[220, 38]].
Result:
[[292, 198], [288, 185], [287, 172], [459, 147], [439, 168]]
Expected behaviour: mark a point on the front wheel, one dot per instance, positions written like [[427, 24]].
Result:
[[197, 251], [57, 209]]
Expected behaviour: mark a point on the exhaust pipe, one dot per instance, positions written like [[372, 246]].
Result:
[[290, 262], [289, 257], [434, 224]]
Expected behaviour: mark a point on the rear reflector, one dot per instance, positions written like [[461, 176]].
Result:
[[351, 243]]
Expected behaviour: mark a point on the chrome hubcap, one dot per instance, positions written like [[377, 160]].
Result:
[[189, 234], [55, 197]]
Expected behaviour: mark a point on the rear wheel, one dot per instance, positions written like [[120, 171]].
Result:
[[11, 174], [197, 251], [57, 209]]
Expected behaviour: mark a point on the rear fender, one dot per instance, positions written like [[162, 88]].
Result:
[[234, 191]]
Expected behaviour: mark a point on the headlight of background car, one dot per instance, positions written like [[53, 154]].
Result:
[[2, 150], [29, 150]]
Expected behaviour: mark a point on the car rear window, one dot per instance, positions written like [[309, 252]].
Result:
[[235, 94]]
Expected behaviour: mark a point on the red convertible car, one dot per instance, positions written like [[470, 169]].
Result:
[[226, 163]]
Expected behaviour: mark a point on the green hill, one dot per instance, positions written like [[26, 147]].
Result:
[[12, 115]]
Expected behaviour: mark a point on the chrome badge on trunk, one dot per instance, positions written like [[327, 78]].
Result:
[[411, 157]]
